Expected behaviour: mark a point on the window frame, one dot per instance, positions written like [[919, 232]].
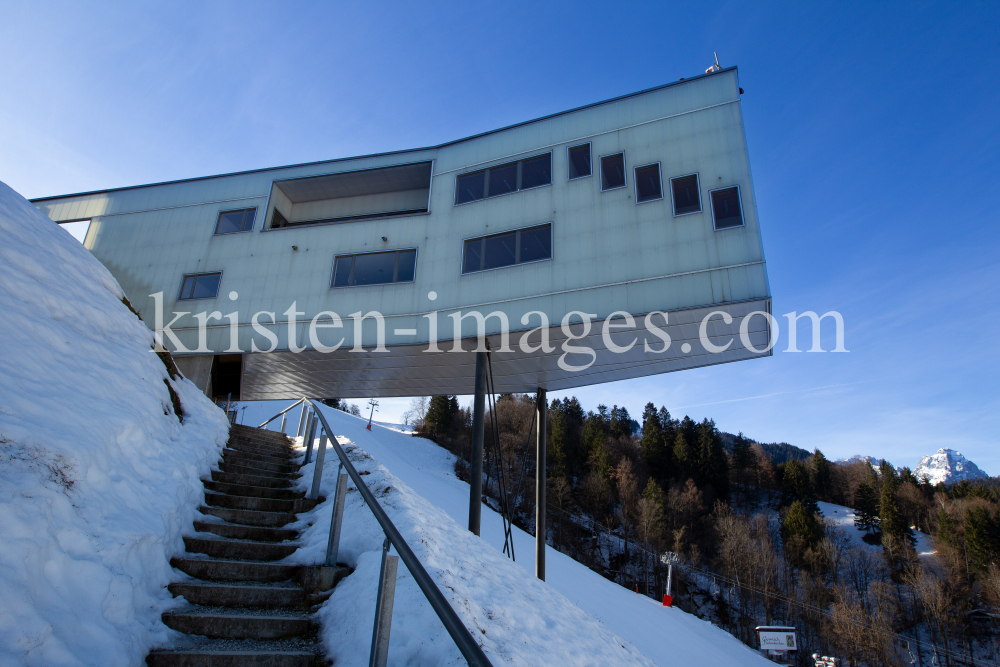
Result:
[[218, 219], [635, 183], [517, 245], [739, 197], [184, 277], [673, 202], [590, 152], [486, 178], [395, 269], [624, 171]]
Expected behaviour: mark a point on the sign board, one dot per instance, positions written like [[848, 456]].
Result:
[[778, 640]]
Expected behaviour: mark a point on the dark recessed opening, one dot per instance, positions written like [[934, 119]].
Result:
[[227, 372]]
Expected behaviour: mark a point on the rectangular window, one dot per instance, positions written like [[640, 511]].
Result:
[[374, 268], [726, 207], [647, 183], [504, 178], [518, 247], [687, 194], [579, 161], [231, 222], [200, 286], [613, 171]]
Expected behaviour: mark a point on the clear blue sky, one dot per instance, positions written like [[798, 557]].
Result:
[[874, 136]]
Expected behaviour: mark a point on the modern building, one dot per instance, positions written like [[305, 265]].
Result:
[[634, 206]]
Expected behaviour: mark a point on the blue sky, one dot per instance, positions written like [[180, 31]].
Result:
[[873, 129]]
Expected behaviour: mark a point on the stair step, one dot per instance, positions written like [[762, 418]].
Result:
[[252, 491], [273, 452], [226, 466], [214, 569], [259, 504], [260, 459], [287, 447], [238, 549], [226, 657], [251, 480], [221, 623], [239, 595], [238, 532], [249, 517], [259, 462], [241, 430]]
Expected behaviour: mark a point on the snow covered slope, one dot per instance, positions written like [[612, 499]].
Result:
[[947, 466], [98, 477], [843, 517], [575, 618]]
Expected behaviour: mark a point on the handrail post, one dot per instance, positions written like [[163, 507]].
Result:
[[302, 419], [383, 608], [333, 544], [284, 418], [310, 436], [460, 634], [318, 471]]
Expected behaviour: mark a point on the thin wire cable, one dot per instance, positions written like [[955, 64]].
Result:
[[508, 537]]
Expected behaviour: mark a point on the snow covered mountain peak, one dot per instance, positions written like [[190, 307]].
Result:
[[947, 466]]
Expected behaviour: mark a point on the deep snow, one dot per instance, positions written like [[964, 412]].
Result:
[[98, 478], [576, 617]]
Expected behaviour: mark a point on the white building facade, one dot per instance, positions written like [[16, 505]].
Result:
[[636, 214]]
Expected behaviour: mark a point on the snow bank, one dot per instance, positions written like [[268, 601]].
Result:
[[575, 618], [98, 477]]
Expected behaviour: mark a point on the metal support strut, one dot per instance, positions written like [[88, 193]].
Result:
[[540, 481], [383, 608], [476, 460]]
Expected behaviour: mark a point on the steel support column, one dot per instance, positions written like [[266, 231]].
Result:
[[476, 459], [540, 481]]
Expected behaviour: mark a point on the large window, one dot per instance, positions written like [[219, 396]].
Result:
[[687, 195], [647, 183], [503, 179], [579, 161], [200, 286], [231, 222], [613, 171], [517, 247], [726, 207], [374, 268]]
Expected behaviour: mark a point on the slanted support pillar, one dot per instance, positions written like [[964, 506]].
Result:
[[540, 481], [476, 462]]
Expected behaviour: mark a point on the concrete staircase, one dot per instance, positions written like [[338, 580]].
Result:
[[243, 607]]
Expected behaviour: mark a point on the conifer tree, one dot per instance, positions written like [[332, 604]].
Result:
[[712, 466], [742, 458], [821, 476], [683, 456], [893, 522], [866, 507], [440, 415], [656, 449], [945, 528], [982, 536]]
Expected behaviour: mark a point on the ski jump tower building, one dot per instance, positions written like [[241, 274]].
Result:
[[612, 241], [637, 205]]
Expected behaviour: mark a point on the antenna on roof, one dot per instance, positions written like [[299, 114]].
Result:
[[716, 67]]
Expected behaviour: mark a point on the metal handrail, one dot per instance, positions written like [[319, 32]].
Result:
[[281, 413], [452, 623]]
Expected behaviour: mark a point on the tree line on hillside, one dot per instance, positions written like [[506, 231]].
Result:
[[755, 547]]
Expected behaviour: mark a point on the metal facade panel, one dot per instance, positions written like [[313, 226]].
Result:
[[609, 253]]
